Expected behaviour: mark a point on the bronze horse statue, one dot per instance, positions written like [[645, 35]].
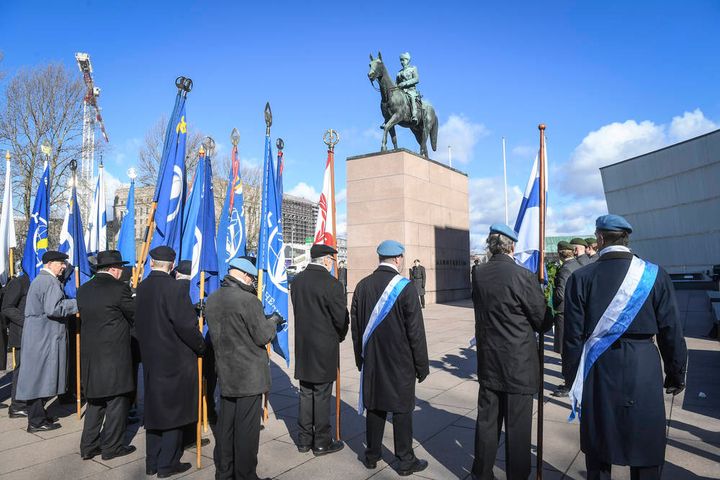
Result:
[[396, 110]]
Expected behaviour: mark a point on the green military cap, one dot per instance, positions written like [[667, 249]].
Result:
[[578, 241], [591, 240], [563, 245]]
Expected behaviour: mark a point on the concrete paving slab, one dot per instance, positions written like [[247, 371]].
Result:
[[67, 466]]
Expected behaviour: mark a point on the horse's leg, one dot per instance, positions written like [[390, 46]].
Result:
[[390, 124], [393, 137], [423, 141]]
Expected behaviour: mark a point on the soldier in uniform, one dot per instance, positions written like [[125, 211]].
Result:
[[170, 342], [407, 79], [417, 276], [107, 309], [569, 264], [390, 352], [579, 245], [591, 249], [321, 323], [509, 311], [13, 309], [619, 306]]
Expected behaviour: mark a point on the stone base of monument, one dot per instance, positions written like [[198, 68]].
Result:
[[402, 196]]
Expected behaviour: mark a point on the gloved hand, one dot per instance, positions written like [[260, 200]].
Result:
[[276, 317], [200, 309], [422, 377], [675, 384]]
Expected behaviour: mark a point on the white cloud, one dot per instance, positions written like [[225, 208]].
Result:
[[524, 151], [304, 190], [341, 196], [487, 206], [341, 224], [462, 135], [691, 124], [575, 217]]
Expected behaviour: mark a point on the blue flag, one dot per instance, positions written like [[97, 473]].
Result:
[[36, 242], [231, 231], [191, 210], [527, 225], [169, 136], [271, 253], [126, 237], [204, 251], [72, 243]]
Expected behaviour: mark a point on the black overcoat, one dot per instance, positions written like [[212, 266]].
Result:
[[561, 278], [417, 275], [107, 311], [321, 323], [170, 342], [13, 307], [623, 413], [396, 353], [509, 310]]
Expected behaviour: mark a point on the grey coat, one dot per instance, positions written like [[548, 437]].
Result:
[[43, 364]]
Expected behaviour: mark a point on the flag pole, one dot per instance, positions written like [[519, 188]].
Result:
[[198, 430], [268, 124], [11, 267], [541, 278], [78, 402]]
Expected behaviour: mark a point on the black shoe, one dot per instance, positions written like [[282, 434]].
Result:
[[52, 419], [334, 446], [66, 398], [369, 464], [418, 466], [120, 452], [91, 454], [303, 448], [179, 468], [45, 427], [3, 405], [150, 471], [17, 413], [561, 392]]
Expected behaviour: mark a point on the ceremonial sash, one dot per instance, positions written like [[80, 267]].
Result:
[[379, 313], [616, 319]]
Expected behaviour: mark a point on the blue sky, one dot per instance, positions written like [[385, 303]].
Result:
[[611, 80]]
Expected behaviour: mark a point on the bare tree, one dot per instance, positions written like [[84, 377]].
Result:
[[252, 185], [151, 151]]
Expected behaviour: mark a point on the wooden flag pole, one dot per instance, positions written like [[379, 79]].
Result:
[[541, 278], [11, 267], [78, 402], [149, 230], [267, 347], [198, 430]]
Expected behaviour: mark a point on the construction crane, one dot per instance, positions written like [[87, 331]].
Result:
[[91, 119]]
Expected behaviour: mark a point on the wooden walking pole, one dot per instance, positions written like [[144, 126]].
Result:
[[198, 430], [78, 402], [541, 278]]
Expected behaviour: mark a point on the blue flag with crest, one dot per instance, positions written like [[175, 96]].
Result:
[[126, 237], [190, 215], [36, 242], [204, 251], [72, 243], [271, 253], [231, 231]]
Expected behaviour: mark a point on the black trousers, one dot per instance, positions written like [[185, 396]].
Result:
[[109, 415], [210, 381], [164, 449], [599, 470], [16, 404], [515, 411], [37, 415], [314, 416], [402, 436], [237, 438]]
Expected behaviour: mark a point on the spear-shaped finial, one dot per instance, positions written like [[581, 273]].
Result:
[[268, 118], [235, 137]]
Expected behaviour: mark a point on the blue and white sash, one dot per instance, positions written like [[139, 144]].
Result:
[[379, 313], [616, 319]]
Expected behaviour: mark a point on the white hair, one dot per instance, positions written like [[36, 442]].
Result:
[[163, 265]]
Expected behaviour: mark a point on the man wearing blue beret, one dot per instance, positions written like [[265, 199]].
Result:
[[390, 352], [509, 311], [615, 308]]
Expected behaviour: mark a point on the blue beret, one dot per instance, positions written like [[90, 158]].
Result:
[[244, 265], [503, 229], [390, 248], [613, 223], [163, 254]]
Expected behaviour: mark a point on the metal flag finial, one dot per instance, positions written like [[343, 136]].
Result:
[[184, 84], [280, 144], [331, 138], [209, 145], [235, 137], [7, 155], [73, 165], [268, 118], [201, 150], [46, 148], [132, 173]]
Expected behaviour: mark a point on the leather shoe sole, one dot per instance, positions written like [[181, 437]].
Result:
[[303, 448], [418, 466], [121, 452], [370, 465], [91, 454], [17, 413], [180, 468], [332, 448], [44, 428]]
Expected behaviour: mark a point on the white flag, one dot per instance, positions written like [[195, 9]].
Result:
[[96, 237], [7, 227]]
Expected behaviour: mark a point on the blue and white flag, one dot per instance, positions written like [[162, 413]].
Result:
[[73, 244], [204, 251], [231, 231], [527, 225], [96, 236], [271, 254], [126, 237], [616, 319], [36, 242], [190, 213]]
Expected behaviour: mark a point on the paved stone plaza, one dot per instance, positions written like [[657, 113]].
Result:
[[443, 425]]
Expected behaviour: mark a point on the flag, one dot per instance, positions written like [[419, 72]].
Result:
[[96, 235], [170, 135], [231, 231], [170, 187], [7, 227], [271, 253], [204, 251], [72, 244], [126, 237], [36, 242], [527, 225], [324, 231], [191, 210]]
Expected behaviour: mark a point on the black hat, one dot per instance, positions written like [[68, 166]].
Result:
[[53, 256], [317, 251], [163, 254], [110, 258], [184, 267]]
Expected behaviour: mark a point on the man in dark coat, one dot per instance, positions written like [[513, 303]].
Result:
[[390, 357], [569, 265], [623, 411], [107, 311], [342, 274], [170, 342], [591, 249], [240, 332], [509, 311], [13, 309], [579, 245], [417, 275], [321, 323]]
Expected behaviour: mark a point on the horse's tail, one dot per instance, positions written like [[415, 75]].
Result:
[[434, 133]]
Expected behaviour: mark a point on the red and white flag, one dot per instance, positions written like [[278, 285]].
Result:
[[325, 226]]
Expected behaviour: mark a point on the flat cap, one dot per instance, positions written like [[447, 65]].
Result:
[[578, 241], [244, 265], [590, 240], [390, 248], [503, 229], [563, 245], [317, 251], [184, 267], [613, 223], [53, 256], [163, 254]]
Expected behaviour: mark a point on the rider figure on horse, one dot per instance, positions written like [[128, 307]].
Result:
[[406, 80]]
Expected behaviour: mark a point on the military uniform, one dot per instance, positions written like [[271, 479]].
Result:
[[417, 275]]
